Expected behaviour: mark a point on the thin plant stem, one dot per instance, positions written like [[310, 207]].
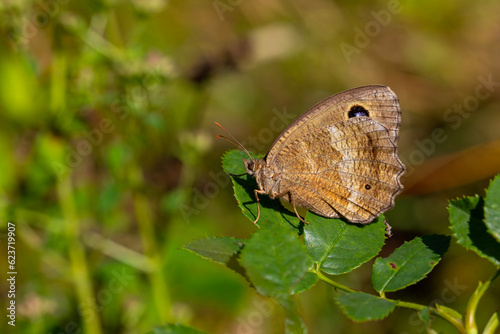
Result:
[[470, 313], [157, 278], [457, 323], [333, 283], [76, 251], [80, 271], [119, 252], [58, 83]]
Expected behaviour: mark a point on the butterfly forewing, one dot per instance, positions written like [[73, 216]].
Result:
[[380, 102]]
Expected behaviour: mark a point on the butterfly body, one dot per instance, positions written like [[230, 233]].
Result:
[[339, 159], [268, 179]]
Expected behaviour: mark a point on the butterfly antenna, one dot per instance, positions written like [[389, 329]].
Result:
[[233, 141]]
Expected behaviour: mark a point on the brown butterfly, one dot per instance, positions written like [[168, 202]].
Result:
[[339, 159]]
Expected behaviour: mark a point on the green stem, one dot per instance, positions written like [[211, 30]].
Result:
[[58, 84], [71, 223], [93, 38], [470, 312], [80, 271], [410, 305], [158, 281], [333, 283], [456, 322], [147, 233], [116, 251]]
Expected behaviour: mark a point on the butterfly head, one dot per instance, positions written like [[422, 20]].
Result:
[[267, 178], [254, 166]]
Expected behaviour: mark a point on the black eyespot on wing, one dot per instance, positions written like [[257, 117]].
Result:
[[368, 187], [358, 111]]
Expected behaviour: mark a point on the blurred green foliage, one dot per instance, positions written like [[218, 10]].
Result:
[[109, 162]]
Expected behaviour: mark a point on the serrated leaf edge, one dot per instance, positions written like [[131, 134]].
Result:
[[487, 206], [424, 276], [370, 318], [240, 241]]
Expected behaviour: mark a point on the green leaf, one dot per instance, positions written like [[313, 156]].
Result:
[[492, 324], [175, 329], [244, 186], [339, 247], [425, 316], [216, 249], [275, 260], [306, 282], [361, 306], [408, 264], [276, 263], [492, 208], [467, 224], [221, 250], [232, 161], [293, 322]]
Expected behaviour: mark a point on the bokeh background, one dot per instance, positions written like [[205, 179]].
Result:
[[109, 162]]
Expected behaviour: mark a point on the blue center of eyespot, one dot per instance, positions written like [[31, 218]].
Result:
[[358, 111]]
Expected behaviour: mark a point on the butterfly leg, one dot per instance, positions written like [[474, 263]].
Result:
[[295, 209], [301, 219], [293, 204], [256, 192]]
